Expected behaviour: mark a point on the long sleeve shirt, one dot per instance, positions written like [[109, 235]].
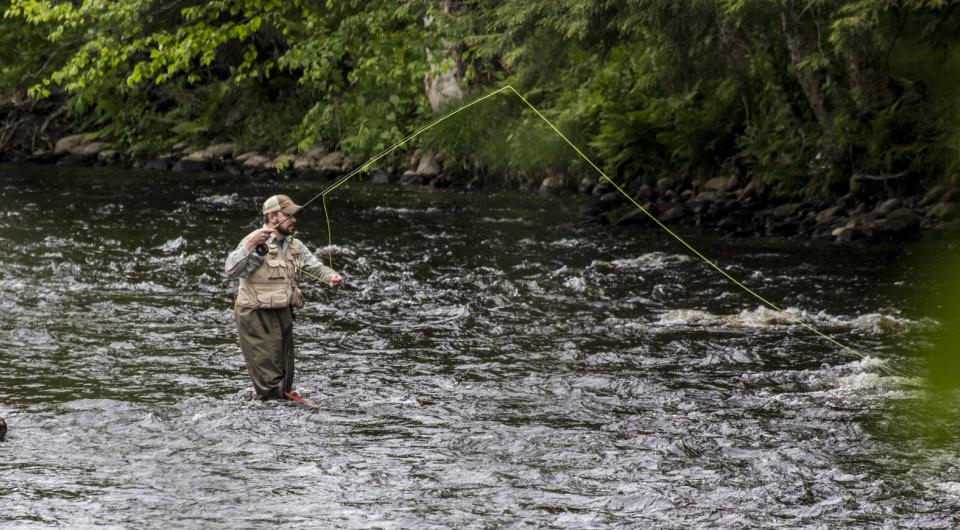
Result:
[[241, 263]]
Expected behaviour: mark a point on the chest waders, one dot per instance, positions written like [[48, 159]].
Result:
[[264, 317]]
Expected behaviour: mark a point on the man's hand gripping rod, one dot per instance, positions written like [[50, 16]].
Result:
[[261, 249]]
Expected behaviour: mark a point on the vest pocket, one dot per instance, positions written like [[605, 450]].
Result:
[[275, 269], [272, 300], [296, 300]]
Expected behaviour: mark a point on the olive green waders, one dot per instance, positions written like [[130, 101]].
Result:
[[266, 339]]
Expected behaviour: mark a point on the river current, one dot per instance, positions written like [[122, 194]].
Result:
[[495, 359]]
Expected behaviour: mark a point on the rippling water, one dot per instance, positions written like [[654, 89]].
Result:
[[495, 359]]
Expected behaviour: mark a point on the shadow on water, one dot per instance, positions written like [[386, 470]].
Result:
[[495, 359]]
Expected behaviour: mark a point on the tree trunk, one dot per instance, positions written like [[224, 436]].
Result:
[[442, 82], [811, 81]]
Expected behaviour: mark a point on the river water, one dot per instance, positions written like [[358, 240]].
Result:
[[495, 358]]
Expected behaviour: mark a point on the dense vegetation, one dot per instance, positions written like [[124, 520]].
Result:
[[796, 94]]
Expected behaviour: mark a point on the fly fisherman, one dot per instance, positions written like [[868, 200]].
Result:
[[268, 262]]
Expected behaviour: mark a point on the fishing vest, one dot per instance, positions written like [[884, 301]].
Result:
[[274, 284]]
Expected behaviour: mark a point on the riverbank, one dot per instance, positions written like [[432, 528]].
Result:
[[872, 208]]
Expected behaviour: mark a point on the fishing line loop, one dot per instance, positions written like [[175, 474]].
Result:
[[509, 89]]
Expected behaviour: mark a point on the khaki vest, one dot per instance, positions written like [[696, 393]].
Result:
[[274, 284]]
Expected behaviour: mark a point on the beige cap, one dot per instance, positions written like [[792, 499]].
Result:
[[281, 203]]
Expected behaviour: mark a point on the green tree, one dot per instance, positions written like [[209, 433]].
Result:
[[267, 73]]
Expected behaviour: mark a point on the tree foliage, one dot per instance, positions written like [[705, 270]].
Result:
[[263, 72], [796, 94]]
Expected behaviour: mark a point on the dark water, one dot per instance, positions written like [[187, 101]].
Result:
[[495, 359]]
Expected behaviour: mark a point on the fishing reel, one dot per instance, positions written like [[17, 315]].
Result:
[[262, 249]]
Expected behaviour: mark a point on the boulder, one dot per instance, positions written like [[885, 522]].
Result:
[[860, 226], [415, 160], [828, 215], [333, 160], [611, 197], [243, 157], [601, 187], [847, 232], [674, 214], [645, 193], [706, 196], [331, 165], [664, 184], [551, 185], [716, 184], [733, 182], [429, 166], [192, 163], [197, 156], [305, 167], [750, 190], [93, 149], [316, 152], [304, 164], [932, 196], [786, 210], [586, 184], [70, 144], [255, 164], [410, 177], [942, 211], [221, 151], [951, 195], [887, 206], [900, 223], [283, 162]]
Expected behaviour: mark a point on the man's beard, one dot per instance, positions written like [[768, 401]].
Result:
[[285, 231]]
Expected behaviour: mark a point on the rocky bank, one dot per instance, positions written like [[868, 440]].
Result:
[[872, 208]]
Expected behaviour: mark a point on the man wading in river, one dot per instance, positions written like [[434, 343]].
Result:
[[269, 292]]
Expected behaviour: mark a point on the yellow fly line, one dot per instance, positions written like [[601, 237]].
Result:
[[509, 89]]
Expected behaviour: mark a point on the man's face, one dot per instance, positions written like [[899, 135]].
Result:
[[287, 227]]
